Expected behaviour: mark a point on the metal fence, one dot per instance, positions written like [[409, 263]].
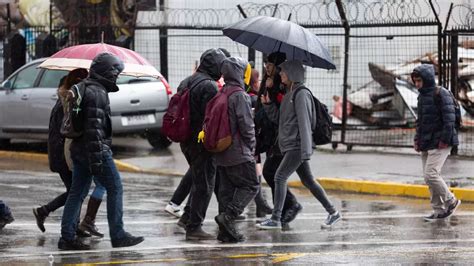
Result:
[[374, 44]]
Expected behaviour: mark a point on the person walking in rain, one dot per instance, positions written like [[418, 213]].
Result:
[[296, 121], [61, 163], [203, 87], [435, 135], [92, 156], [236, 165], [266, 123]]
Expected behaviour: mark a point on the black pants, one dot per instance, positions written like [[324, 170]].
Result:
[[203, 171], [59, 201], [184, 188], [238, 185], [269, 170]]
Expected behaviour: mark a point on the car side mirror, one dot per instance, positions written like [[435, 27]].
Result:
[[7, 85]]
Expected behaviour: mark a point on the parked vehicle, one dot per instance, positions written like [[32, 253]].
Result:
[[28, 95]]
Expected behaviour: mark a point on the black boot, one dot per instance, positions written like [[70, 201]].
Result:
[[127, 241], [183, 221], [291, 213], [226, 224], [224, 237], [75, 244], [88, 223], [198, 234], [262, 206], [40, 214]]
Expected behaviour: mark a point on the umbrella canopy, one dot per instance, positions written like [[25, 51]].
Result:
[[268, 34], [81, 56]]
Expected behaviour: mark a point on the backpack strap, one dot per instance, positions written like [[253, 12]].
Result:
[[297, 90], [195, 85], [437, 96]]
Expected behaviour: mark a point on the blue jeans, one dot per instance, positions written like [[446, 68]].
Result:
[[99, 190], [81, 181]]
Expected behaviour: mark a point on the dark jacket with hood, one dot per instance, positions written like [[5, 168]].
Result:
[[56, 158], [240, 116], [266, 129], [297, 118], [203, 87], [97, 137], [436, 113]]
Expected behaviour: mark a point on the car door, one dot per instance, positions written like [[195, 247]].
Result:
[[43, 97], [16, 100]]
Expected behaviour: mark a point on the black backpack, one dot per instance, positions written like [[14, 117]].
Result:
[[322, 133], [72, 125], [457, 108]]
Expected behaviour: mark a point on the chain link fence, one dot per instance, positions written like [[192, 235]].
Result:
[[375, 48]]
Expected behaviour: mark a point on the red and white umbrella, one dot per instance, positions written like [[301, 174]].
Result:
[[81, 56]]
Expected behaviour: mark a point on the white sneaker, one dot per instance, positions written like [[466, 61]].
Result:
[[174, 210]]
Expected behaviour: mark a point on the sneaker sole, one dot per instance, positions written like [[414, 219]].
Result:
[[176, 214], [330, 225], [455, 208], [264, 227]]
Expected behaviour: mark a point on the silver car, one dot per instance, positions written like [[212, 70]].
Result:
[[28, 95]]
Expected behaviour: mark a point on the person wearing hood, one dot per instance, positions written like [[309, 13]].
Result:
[[92, 156], [435, 135], [296, 120], [203, 87], [60, 162], [236, 165], [266, 127]]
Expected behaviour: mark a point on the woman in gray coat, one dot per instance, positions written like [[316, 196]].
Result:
[[297, 118]]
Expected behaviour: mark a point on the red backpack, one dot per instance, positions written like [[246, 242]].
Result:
[[176, 122], [216, 126]]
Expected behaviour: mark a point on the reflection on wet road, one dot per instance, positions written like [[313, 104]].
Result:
[[374, 230]]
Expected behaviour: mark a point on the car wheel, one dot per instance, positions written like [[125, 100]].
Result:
[[4, 143], [157, 140]]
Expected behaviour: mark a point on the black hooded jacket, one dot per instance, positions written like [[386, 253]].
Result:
[[97, 137], [203, 87]]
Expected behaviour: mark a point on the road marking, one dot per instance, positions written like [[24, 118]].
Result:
[[287, 257], [127, 262]]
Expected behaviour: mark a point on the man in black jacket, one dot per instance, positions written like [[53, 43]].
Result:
[[201, 162], [92, 156], [435, 135]]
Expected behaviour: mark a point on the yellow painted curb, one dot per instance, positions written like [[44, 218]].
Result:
[[383, 188], [38, 157], [121, 166]]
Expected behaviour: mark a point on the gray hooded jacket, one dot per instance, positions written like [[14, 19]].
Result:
[[240, 116], [297, 118]]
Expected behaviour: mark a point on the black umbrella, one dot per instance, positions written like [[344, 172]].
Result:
[[268, 34]]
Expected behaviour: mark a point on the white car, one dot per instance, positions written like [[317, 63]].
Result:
[[28, 95]]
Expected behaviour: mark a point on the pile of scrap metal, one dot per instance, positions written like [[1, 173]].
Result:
[[390, 99]]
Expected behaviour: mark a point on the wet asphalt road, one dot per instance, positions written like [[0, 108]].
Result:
[[375, 230]]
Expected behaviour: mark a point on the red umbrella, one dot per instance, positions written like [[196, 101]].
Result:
[[80, 56]]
